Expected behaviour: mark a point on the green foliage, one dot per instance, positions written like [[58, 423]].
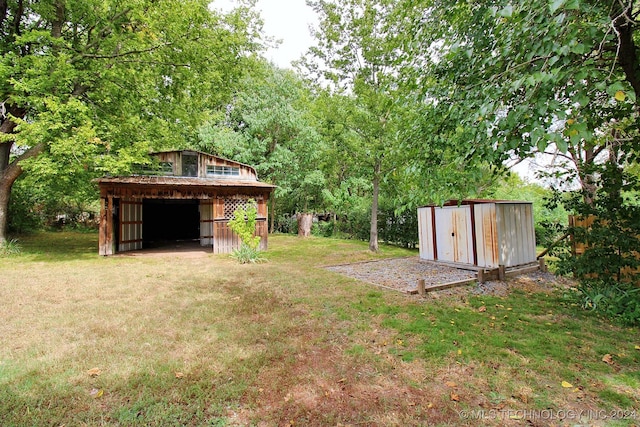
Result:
[[612, 239], [268, 125], [247, 254], [91, 87], [244, 224], [619, 301], [398, 228], [9, 247]]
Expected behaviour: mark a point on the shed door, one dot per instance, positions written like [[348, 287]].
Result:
[[206, 222], [453, 234], [130, 233]]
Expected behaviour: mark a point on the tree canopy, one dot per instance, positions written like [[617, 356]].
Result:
[[93, 85]]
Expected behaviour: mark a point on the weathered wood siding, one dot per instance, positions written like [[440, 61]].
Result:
[[130, 222], [206, 222], [225, 240], [204, 160]]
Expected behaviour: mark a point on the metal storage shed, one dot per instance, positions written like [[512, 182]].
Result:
[[482, 233]]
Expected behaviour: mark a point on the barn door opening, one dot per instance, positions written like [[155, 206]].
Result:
[[166, 222]]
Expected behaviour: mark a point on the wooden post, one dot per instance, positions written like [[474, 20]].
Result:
[[481, 275], [105, 236], [501, 272], [542, 264], [421, 290]]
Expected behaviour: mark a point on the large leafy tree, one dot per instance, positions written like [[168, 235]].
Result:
[[92, 85], [355, 57], [517, 77], [268, 125], [512, 78]]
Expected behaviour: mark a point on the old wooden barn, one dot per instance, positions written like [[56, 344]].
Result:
[[191, 197]]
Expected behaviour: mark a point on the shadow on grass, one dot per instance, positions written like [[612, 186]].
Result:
[[58, 246]]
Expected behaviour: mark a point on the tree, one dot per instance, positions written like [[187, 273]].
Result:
[[517, 77], [512, 78], [98, 83], [268, 125], [353, 56]]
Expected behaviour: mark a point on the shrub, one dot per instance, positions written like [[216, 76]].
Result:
[[620, 301], [246, 255], [9, 247], [244, 225]]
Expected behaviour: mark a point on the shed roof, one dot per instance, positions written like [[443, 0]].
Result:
[[475, 202]]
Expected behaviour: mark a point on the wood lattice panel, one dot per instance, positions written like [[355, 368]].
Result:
[[231, 204]]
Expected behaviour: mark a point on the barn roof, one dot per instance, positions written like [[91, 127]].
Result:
[[183, 181]]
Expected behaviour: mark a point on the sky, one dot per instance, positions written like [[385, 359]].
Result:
[[286, 20]]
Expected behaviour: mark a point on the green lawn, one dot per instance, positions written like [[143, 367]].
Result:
[[201, 340]]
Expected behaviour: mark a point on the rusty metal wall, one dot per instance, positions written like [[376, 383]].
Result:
[[516, 233], [425, 233], [453, 234], [486, 235], [504, 234]]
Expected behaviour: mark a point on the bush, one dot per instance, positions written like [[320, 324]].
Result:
[[247, 254], [9, 247], [619, 301], [244, 225], [323, 228], [286, 223], [398, 229]]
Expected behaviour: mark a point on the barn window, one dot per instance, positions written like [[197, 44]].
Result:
[[189, 165], [214, 170], [166, 168]]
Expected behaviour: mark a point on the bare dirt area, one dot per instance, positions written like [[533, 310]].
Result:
[[402, 274]]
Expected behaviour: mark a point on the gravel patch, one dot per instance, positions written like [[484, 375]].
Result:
[[402, 274]]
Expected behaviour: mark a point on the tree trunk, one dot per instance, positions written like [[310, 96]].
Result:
[[305, 221], [5, 194], [373, 235], [7, 177]]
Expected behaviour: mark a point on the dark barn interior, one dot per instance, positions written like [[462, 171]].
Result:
[[165, 221]]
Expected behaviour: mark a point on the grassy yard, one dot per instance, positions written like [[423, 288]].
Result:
[[201, 340]]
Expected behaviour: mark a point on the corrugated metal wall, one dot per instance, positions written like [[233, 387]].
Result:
[[504, 234], [516, 233], [453, 237], [426, 233], [486, 235]]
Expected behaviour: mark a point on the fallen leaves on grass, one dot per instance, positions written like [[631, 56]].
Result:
[[608, 359], [451, 384], [94, 372], [96, 393], [179, 375], [455, 397], [566, 384]]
